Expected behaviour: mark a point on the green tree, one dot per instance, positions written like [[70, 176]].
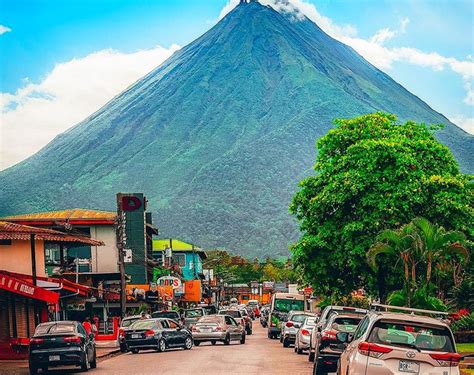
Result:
[[372, 174]]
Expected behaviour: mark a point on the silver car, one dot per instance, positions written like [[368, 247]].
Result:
[[294, 322], [303, 336], [215, 328]]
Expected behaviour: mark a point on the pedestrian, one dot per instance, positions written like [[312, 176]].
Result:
[[87, 325]]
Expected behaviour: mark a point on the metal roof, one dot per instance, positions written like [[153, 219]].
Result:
[[70, 215]]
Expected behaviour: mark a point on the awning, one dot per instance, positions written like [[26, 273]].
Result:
[[24, 288]]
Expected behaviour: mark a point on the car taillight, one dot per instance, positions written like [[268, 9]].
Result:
[[194, 329], [289, 324], [149, 332], [72, 339], [305, 332], [373, 350], [447, 359], [36, 341], [219, 328], [328, 335]]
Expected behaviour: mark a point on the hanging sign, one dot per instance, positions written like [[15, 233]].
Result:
[[171, 281]]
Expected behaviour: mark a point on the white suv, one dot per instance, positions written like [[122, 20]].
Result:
[[396, 343]]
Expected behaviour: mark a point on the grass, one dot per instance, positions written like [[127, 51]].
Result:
[[466, 348]]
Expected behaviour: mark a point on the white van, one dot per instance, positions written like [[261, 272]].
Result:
[[282, 304]]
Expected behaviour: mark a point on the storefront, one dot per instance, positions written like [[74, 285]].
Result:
[[22, 307]]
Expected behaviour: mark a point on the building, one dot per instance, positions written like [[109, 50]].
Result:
[[27, 296]]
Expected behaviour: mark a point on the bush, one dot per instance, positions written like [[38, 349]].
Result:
[[466, 323], [420, 300]]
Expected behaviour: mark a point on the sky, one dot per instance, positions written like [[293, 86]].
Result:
[[60, 61]]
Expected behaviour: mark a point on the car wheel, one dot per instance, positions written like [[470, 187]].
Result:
[[161, 345], [213, 342], [197, 343], [286, 343], [311, 356], [85, 365], [299, 351], [123, 348], [295, 349], [134, 351], [227, 340], [242, 340], [94, 361], [281, 338], [33, 369], [188, 343]]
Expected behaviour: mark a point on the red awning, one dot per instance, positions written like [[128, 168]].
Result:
[[26, 289]]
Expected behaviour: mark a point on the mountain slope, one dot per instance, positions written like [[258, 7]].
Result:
[[218, 136]]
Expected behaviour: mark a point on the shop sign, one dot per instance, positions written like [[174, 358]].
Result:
[[268, 284], [18, 286], [171, 281], [192, 291]]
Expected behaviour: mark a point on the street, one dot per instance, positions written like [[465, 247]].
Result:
[[259, 355]]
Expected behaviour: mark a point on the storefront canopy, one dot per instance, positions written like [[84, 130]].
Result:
[[11, 231], [25, 288]]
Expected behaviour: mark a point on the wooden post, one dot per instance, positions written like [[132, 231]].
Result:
[[33, 258]]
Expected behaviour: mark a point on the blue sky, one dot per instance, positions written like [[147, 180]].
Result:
[[49, 49]]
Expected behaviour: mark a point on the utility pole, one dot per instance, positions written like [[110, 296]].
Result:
[[121, 238]]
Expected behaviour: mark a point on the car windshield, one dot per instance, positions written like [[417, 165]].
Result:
[[346, 324], [298, 318], [210, 310], [286, 305], [404, 334], [232, 313], [128, 322], [310, 321], [143, 324], [165, 314], [55, 328], [193, 313]]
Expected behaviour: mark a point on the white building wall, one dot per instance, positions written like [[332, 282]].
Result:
[[104, 258]]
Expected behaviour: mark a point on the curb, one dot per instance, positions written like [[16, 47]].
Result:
[[109, 354]]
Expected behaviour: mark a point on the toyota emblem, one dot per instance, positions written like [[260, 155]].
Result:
[[411, 354]]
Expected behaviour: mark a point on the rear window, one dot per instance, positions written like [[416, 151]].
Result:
[[143, 324], [411, 335], [311, 321], [55, 328], [299, 318], [210, 319], [128, 322], [193, 313], [345, 324], [232, 313], [165, 314]]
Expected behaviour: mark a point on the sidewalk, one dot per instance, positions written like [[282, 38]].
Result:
[[103, 350]]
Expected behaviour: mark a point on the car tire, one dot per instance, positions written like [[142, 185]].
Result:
[[33, 369], [188, 343], [299, 351], [197, 343], [123, 348], [213, 342], [85, 365], [134, 351], [161, 345], [94, 361], [227, 340], [286, 343], [281, 339], [242, 339], [311, 356]]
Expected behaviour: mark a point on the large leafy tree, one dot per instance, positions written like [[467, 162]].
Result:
[[373, 173]]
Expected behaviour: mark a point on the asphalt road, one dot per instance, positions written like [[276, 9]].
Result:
[[259, 355]]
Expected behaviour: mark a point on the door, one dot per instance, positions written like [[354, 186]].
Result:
[[167, 333], [179, 335], [88, 342], [235, 329]]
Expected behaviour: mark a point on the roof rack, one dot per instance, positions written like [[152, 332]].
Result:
[[378, 307]]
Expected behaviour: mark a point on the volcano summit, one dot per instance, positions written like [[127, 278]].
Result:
[[219, 135]]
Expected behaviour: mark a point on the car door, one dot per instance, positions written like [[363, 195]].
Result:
[[87, 341], [235, 329], [167, 333], [353, 345], [179, 335]]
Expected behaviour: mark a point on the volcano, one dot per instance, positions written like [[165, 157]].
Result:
[[218, 136]]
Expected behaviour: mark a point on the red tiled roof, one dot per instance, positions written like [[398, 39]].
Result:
[[73, 216], [12, 231]]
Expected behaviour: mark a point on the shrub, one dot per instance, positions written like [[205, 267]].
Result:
[[466, 323]]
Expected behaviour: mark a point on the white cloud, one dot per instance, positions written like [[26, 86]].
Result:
[[37, 112], [4, 29], [469, 99], [466, 123]]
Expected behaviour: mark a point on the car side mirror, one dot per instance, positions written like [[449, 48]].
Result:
[[342, 337], [91, 336]]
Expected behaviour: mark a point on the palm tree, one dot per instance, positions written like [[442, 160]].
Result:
[[401, 244], [435, 244]]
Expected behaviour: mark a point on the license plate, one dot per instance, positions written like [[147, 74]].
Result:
[[205, 330], [407, 366], [136, 336], [54, 357]]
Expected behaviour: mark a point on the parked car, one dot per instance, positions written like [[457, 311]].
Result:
[[303, 336], [291, 326], [62, 343], [215, 328], [254, 305], [209, 309], [328, 347], [124, 326], [390, 342], [241, 317], [159, 334], [191, 316], [325, 314]]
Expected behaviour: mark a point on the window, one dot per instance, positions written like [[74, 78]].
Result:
[[287, 305], [172, 324], [361, 328], [5, 242], [179, 259], [165, 324]]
